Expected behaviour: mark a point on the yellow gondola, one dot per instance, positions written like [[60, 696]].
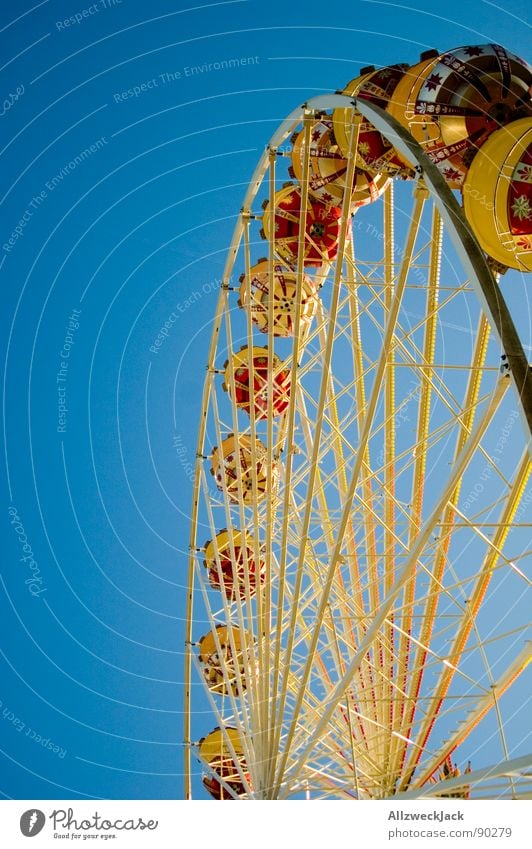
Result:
[[328, 168], [497, 195], [233, 565], [223, 651], [244, 383], [256, 292], [451, 104], [322, 227], [242, 468], [215, 751], [373, 151]]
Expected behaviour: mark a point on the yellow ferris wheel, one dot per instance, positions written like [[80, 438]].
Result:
[[358, 602]]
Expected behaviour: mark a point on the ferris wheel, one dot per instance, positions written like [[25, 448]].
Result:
[[357, 604]]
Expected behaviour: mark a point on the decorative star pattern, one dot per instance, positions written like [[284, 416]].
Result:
[[473, 51], [523, 173], [524, 242], [452, 174], [521, 208], [433, 82]]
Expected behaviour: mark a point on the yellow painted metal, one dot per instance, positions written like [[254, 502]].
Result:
[[391, 300], [441, 557], [241, 359], [343, 636], [342, 117], [222, 543], [247, 681], [351, 624], [425, 532], [402, 104], [191, 560], [480, 588], [313, 466], [260, 731], [483, 706], [280, 682], [221, 746], [368, 675], [249, 491], [390, 415], [486, 195], [373, 151]]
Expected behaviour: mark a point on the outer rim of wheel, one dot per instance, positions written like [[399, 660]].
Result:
[[473, 261]]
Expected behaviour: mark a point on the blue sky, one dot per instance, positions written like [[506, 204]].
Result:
[[125, 160]]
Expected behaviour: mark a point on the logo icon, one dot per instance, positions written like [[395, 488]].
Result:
[[32, 822]]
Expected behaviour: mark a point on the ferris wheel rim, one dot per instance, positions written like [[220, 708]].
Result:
[[448, 205]]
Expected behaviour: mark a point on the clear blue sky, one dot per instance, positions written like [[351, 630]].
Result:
[[124, 162]]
